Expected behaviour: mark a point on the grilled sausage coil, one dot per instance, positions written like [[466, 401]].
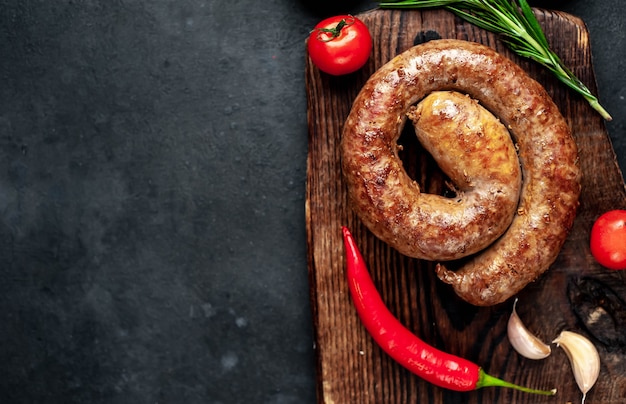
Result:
[[392, 206]]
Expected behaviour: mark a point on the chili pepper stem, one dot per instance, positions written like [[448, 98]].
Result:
[[486, 380]]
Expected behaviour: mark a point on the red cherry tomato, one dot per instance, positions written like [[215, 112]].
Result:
[[340, 45], [608, 239]]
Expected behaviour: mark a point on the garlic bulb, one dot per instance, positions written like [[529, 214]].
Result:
[[583, 357], [525, 343]]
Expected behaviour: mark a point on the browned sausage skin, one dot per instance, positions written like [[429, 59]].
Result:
[[451, 127], [382, 193]]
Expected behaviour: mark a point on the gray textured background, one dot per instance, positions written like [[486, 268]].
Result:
[[152, 231]]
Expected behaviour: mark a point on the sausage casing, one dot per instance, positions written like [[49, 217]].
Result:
[[547, 155]]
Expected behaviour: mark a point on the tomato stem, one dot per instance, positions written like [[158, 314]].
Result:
[[334, 31]]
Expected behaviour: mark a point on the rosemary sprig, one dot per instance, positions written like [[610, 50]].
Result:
[[518, 27]]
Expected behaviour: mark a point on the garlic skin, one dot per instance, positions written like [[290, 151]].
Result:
[[523, 341], [583, 357]]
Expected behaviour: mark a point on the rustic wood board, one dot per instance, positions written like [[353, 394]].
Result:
[[350, 367]]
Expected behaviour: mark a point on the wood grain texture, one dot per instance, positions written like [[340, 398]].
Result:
[[575, 294]]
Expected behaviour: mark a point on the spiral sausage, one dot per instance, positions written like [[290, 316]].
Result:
[[383, 195]]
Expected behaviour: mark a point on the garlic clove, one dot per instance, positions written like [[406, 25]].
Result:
[[523, 341], [583, 357]]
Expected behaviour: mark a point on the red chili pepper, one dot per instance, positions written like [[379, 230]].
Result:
[[435, 366]]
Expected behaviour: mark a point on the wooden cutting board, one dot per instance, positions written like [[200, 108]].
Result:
[[575, 294]]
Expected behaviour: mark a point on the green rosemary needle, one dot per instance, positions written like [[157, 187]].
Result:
[[518, 27]]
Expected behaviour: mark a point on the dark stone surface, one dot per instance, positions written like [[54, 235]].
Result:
[[152, 196]]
